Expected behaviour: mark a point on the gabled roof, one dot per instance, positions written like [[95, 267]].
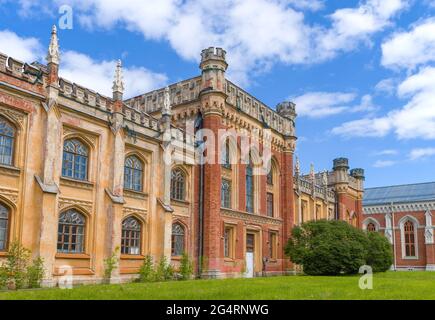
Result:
[[399, 194]]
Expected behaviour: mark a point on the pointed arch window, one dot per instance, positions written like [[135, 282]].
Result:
[[269, 177], [4, 227], [75, 160], [178, 185], [7, 141], [133, 174], [371, 227], [71, 232], [250, 187], [177, 238], [131, 236], [409, 233]]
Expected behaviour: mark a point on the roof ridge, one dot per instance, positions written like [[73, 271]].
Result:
[[401, 185]]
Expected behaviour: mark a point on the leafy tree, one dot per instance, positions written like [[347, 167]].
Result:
[[380, 255]]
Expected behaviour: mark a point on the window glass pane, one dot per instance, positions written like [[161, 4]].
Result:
[[75, 160], [131, 236], [177, 185], [71, 232], [177, 240], [4, 224], [7, 136]]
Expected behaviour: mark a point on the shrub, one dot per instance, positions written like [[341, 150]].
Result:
[[35, 273], [380, 255], [186, 267], [110, 264], [164, 271], [328, 247], [15, 267], [146, 271]]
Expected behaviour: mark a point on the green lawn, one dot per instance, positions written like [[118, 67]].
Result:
[[390, 285]]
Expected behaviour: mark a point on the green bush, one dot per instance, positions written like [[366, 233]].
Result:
[[186, 267], [18, 271], [110, 264], [35, 273], [328, 247], [146, 271], [380, 255]]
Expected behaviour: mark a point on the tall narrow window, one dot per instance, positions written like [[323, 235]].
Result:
[[225, 194], [177, 239], [133, 174], [409, 239], [269, 200], [177, 185], [228, 242], [225, 157], [75, 160], [7, 137], [249, 188], [71, 232], [4, 226], [273, 245], [371, 227], [131, 236]]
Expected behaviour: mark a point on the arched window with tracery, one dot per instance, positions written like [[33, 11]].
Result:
[[225, 194], [7, 141], [177, 243], [131, 236], [133, 174], [178, 181], [75, 160], [4, 227], [409, 233], [225, 156], [371, 227], [71, 232]]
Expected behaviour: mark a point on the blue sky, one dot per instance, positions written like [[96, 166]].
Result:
[[362, 73]]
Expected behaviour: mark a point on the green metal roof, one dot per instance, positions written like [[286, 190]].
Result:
[[399, 194]]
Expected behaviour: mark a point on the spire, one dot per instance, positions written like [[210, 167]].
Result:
[[166, 111], [53, 55], [118, 83]]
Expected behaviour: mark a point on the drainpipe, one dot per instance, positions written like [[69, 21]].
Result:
[[199, 144], [394, 238]]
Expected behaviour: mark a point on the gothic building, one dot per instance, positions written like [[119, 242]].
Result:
[[404, 214], [82, 174]]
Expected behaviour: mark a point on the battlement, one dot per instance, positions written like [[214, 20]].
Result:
[[357, 173], [213, 53], [32, 73], [341, 163]]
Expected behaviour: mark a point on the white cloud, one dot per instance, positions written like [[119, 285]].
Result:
[[387, 86], [350, 26], [384, 163], [421, 153], [387, 152], [414, 120], [410, 49], [24, 49], [98, 75], [256, 33], [322, 104]]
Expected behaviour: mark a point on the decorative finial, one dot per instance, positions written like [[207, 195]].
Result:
[[53, 55], [325, 178], [166, 103], [118, 83], [312, 174], [297, 167]]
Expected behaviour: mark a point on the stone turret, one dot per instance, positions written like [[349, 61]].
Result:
[[213, 66], [357, 173], [341, 168], [287, 110]]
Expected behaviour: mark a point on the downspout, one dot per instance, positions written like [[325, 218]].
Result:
[[199, 144]]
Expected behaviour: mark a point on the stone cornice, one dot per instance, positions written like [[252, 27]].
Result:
[[248, 217], [399, 207]]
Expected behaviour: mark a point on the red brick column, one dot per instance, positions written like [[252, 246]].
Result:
[[212, 191]]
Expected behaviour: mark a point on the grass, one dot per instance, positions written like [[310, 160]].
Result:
[[390, 285]]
